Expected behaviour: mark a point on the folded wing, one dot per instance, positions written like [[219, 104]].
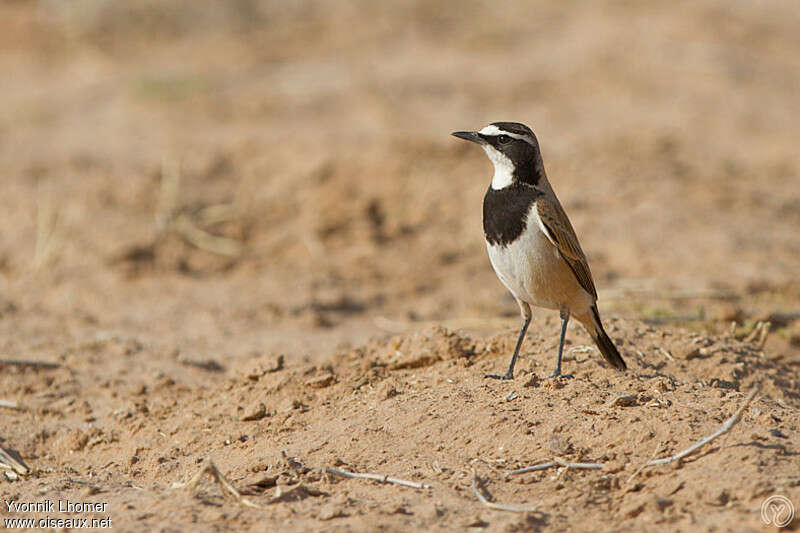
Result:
[[556, 226]]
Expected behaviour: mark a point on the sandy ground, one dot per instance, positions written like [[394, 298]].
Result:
[[242, 232]]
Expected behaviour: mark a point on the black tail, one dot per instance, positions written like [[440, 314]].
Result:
[[605, 344]]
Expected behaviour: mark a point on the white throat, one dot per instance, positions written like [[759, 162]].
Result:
[[503, 168]]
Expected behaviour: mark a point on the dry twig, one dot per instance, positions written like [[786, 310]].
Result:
[[702, 442], [762, 338], [758, 335], [665, 353], [168, 197], [11, 405], [12, 460], [644, 465], [23, 362], [729, 423], [556, 462], [170, 218], [578, 466], [204, 240], [210, 468], [46, 231], [377, 477], [497, 506], [534, 468]]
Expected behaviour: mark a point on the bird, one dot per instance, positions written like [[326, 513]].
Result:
[[531, 243]]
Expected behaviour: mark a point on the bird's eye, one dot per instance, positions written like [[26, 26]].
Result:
[[504, 139]]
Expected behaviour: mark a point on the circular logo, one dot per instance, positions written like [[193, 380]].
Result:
[[777, 510]]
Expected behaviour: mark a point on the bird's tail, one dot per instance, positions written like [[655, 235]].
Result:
[[604, 343]]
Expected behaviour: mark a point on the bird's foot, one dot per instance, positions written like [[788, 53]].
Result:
[[557, 375], [506, 376]]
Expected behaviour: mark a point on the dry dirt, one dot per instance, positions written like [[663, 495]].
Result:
[[242, 231]]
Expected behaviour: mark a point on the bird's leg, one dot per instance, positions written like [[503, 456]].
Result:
[[564, 321], [526, 320]]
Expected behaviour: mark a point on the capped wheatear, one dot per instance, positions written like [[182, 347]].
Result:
[[532, 246]]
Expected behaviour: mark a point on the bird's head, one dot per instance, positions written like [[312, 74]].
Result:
[[513, 150]]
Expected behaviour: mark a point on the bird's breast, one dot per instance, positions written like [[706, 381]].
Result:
[[505, 212], [533, 270]]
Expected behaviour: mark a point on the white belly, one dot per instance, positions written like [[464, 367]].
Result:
[[535, 273]]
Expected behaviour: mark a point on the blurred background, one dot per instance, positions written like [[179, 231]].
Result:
[[241, 176]]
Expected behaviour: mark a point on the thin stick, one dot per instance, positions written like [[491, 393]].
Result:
[[498, 506], [377, 477], [210, 468], [168, 197], [580, 349], [11, 405], [644, 465], [556, 462], [579, 466], [22, 362], [702, 442], [46, 226], [732, 421], [534, 468], [487, 463], [762, 338], [665, 353], [92, 486], [12, 460], [204, 240], [755, 332]]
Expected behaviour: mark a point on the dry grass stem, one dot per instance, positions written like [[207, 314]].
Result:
[[210, 468], [46, 229], [663, 351], [169, 218], [762, 338], [377, 477], [7, 404], [644, 465], [758, 335], [534, 468], [578, 466], [168, 197], [556, 462], [729, 423], [732, 421], [12, 460], [198, 238], [497, 506], [28, 363]]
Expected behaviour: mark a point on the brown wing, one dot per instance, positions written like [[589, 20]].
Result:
[[559, 230]]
